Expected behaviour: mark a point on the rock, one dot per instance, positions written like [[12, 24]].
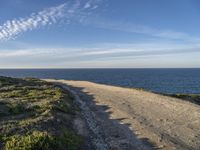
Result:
[[161, 146]]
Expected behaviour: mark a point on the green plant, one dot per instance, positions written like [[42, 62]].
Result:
[[16, 108], [31, 107], [71, 140], [36, 140], [43, 141]]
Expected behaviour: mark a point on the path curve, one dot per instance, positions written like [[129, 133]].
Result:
[[136, 119]]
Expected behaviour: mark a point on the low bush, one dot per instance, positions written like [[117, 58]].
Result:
[[43, 141]]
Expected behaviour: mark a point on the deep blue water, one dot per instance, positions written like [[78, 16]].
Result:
[[157, 80]]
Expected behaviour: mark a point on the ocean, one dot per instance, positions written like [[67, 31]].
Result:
[[168, 81]]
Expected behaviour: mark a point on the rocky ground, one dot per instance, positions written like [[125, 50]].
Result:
[[126, 119]]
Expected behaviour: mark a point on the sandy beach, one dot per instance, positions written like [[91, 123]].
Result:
[[137, 119]]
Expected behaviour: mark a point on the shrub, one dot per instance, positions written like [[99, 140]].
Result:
[[37, 140], [43, 141], [15, 108]]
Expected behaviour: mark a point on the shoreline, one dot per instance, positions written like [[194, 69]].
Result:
[[189, 97], [156, 120], [104, 116]]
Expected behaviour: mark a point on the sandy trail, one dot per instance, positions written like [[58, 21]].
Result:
[[136, 119]]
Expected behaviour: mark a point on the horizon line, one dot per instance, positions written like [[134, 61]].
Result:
[[100, 68]]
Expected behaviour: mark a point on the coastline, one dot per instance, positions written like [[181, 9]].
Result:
[[159, 121], [157, 80], [106, 117]]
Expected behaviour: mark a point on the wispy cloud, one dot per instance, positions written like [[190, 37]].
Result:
[[141, 29], [78, 11], [96, 57], [105, 51], [68, 11], [12, 28]]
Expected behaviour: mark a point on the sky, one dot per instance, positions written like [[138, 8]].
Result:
[[99, 34]]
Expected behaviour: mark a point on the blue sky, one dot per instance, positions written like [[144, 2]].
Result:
[[99, 33]]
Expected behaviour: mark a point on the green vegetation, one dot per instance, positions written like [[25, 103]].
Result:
[[194, 98], [43, 141], [35, 114]]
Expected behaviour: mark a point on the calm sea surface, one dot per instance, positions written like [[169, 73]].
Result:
[[157, 80]]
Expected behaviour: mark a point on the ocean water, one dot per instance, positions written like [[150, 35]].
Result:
[[156, 80]]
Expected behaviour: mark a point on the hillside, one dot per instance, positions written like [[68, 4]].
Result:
[[35, 114]]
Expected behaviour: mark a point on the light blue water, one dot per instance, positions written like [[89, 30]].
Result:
[[157, 80]]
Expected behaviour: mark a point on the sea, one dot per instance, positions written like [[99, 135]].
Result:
[[167, 81]]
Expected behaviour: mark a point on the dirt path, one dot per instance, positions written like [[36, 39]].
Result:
[[123, 118]]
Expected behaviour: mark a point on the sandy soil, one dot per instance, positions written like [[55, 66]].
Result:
[[122, 118]]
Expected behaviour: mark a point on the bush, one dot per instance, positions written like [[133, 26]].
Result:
[[31, 107], [16, 108], [37, 140], [43, 141]]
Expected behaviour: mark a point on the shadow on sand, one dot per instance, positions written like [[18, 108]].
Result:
[[114, 133]]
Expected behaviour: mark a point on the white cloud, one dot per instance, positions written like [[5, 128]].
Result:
[[67, 11], [87, 5], [141, 29], [78, 11], [103, 50], [11, 28], [102, 55], [22, 53]]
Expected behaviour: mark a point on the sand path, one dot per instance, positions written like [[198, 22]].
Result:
[[134, 119]]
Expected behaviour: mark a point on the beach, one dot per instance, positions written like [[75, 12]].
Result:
[[136, 119]]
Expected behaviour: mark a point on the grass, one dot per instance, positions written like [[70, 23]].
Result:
[[16, 108], [194, 98], [43, 141], [35, 114]]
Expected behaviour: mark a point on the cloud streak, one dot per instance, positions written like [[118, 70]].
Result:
[[98, 55], [68, 11], [12, 28], [141, 29], [134, 50], [78, 11]]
